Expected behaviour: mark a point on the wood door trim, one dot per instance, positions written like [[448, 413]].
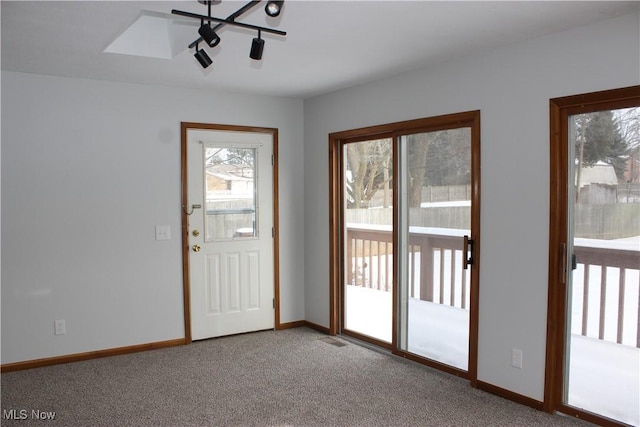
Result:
[[474, 302], [184, 127], [559, 111], [336, 235], [186, 288]]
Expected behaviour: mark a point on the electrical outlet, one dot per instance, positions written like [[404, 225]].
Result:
[[59, 327], [516, 358], [163, 232]]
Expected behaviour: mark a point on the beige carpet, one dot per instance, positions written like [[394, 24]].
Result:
[[295, 377]]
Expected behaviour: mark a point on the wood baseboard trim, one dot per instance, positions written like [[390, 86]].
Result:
[[58, 360], [290, 325], [302, 324], [510, 395], [318, 328], [70, 358]]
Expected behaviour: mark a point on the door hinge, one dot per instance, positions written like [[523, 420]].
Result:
[[274, 303], [273, 232], [272, 160]]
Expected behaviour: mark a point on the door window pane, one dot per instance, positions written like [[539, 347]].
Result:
[[230, 196], [603, 358], [435, 216]]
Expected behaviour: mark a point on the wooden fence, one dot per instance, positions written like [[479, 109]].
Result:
[[611, 221]]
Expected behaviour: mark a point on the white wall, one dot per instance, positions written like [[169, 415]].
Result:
[[88, 169], [512, 87]]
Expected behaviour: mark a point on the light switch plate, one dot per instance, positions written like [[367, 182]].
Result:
[[163, 232], [59, 327], [516, 358]]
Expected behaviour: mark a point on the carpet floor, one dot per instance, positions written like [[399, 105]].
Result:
[[295, 377]]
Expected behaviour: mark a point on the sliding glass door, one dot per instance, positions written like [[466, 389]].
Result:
[[602, 353], [593, 347], [405, 238], [435, 217], [368, 231]]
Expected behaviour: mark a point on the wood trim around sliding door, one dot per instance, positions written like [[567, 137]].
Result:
[[560, 109], [337, 140]]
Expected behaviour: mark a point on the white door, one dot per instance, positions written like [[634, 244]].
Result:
[[231, 262]]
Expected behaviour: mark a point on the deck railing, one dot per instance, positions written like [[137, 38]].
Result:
[[369, 263], [623, 262]]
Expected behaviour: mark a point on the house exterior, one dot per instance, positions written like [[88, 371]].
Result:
[[600, 173], [598, 184], [632, 168], [229, 180]]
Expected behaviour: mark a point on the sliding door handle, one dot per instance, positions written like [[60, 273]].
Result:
[[467, 252], [563, 263]]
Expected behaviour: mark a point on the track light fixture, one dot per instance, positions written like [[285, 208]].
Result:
[[209, 35], [202, 57], [257, 46], [273, 8]]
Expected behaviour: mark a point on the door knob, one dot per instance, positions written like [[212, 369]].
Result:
[[196, 248]]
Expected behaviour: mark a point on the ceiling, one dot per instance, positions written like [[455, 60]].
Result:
[[329, 45]]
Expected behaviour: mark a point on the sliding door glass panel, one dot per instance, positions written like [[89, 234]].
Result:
[[602, 357], [435, 215], [368, 219]]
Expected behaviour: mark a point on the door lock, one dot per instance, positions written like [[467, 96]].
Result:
[[193, 207], [195, 233], [196, 248]]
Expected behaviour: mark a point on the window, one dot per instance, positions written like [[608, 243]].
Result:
[[230, 194]]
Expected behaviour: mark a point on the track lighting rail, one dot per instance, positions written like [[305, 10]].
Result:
[[228, 22], [231, 17]]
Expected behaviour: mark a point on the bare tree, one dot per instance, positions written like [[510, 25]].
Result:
[[439, 158], [368, 166], [418, 148], [629, 125]]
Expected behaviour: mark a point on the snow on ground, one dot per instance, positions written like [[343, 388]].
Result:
[[439, 332], [448, 204], [604, 378], [435, 331], [369, 312], [627, 243]]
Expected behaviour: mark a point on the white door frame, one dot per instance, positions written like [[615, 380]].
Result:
[[184, 127]]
